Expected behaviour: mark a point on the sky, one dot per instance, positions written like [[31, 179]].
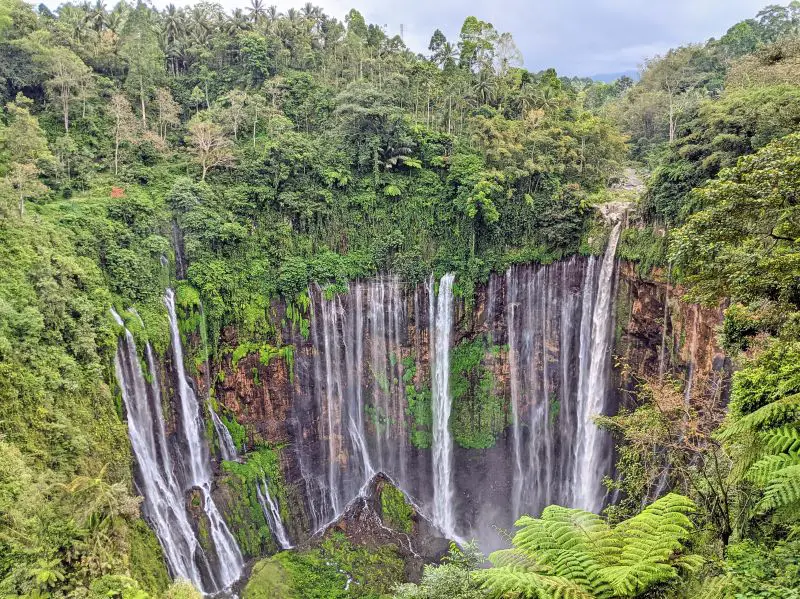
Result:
[[577, 37]]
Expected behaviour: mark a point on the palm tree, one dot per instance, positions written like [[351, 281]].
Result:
[[96, 16], [200, 25], [272, 15], [484, 86], [527, 96], [172, 24], [237, 23], [256, 10], [546, 98], [117, 17]]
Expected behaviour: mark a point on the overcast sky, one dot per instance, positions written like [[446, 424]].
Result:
[[577, 37]]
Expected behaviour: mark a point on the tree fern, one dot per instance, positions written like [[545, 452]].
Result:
[[782, 491], [570, 553], [778, 412], [764, 470], [785, 439], [649, 540], [531, 585], [768, 434]]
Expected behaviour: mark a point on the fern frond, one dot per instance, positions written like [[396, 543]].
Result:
[[784, 439], [568, 543], [689, 564], [515, 559], [649, 542], [504, 582], [572, 554], [764, 470], [561, 529], [782, 491], [630, 580], [774, 413]]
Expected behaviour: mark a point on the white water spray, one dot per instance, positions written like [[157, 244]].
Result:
[[163, 496], [231, 562], [440, 333], [272, 514], [590, 463]]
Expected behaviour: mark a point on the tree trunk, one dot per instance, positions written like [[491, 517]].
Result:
[[141, 98], [65, 107], [116, 150]]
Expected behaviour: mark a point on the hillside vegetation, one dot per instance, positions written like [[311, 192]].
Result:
[[276, 150]]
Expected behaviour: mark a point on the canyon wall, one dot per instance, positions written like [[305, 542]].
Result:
[[354, 394]]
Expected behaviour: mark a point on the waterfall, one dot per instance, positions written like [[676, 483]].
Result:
[[512, 308], [440, 333], [357, 399], [226, 445], [198, 468], [593, 455], [272, 514], [373, 393], [559, 322], [163, 497]]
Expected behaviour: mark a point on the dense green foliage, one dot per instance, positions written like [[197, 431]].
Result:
[[263, 151], [334, 570], [723, 190], [326, 150], [571, 553], [241, 157], [244, 511], [477, 415], [396, 512], [453, 578]]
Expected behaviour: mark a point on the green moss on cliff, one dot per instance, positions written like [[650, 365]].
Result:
[[238, 432], [395, 510], [243, 510], [245, 517], [418, 400], [477, 415], [644, 246], [266, 353]]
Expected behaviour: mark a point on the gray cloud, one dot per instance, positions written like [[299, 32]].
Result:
[[577, 37]]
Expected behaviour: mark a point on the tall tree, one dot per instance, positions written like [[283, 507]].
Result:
[[23, 148], [125, 129], [142, 53], [67, 75], [209, 146], [168, 111]]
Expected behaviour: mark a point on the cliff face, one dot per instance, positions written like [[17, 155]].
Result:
[[353, 396], [661, 335]]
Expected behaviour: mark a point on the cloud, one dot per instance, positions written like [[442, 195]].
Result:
[[577, 37]]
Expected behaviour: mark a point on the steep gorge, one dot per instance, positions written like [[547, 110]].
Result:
[[480, 410]]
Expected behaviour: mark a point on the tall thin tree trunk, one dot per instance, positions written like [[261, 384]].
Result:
[[65, 107], [141, 98]]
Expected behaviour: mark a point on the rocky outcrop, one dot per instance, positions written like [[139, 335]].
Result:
[[383, 516]]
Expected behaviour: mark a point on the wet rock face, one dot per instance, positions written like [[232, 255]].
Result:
[[661, 335], [384, 516], [352, 400]]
